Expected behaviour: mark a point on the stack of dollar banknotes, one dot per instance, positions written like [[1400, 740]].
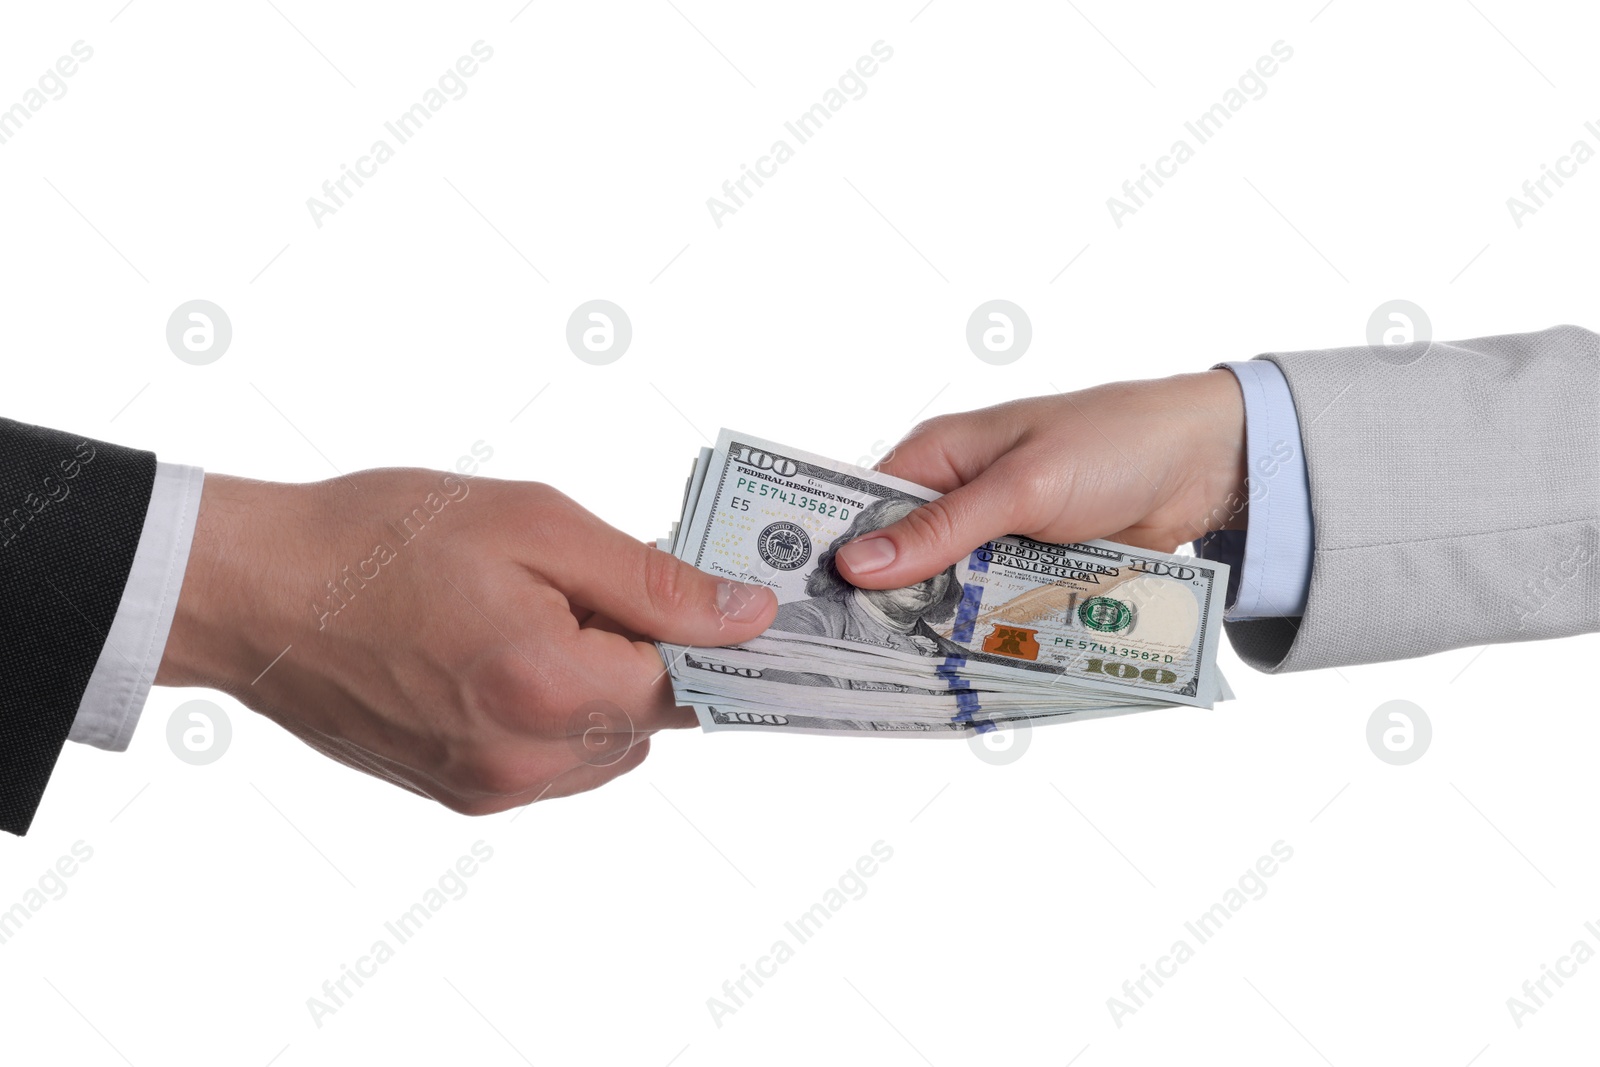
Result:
[[1019, 632]]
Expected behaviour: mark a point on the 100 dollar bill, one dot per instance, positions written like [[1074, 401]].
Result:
[[1093, 615]]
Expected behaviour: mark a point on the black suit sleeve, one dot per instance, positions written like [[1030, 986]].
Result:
[[71, 512]]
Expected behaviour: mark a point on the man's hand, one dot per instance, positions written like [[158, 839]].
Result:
[[1151, 464], [484, 643]]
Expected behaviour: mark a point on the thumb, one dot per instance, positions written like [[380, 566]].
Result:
[[934, 536], [657, 595]]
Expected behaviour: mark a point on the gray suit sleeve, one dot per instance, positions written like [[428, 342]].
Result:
[[1455, 497]]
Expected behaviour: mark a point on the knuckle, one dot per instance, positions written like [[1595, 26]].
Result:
[[663, 581], [936, 426], [477, 807], [543, 512], [933, 523], [511, 690], [544, 495], [635, 756], [1036, 481], [496, 776], [487, 774], [1046, 483]]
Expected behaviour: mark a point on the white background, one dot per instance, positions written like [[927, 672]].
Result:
[[828, 313]]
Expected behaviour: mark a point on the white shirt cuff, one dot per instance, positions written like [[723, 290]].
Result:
[[123, 674]]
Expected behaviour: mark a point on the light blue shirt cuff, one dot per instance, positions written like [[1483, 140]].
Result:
[[1270, 561]]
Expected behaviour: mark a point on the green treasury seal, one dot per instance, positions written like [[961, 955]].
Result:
[[1105, 614]]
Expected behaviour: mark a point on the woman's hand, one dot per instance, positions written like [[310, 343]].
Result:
[[1151, 463]]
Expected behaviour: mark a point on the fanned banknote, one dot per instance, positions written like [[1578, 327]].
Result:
[[1018, 631]]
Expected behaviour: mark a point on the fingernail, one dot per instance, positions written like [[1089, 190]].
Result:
[[738, 602], [868, 555]]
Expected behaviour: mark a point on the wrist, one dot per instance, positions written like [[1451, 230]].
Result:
[[1221, 449], [219, 625]]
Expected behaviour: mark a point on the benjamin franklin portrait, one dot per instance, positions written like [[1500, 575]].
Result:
[[897, 619]]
